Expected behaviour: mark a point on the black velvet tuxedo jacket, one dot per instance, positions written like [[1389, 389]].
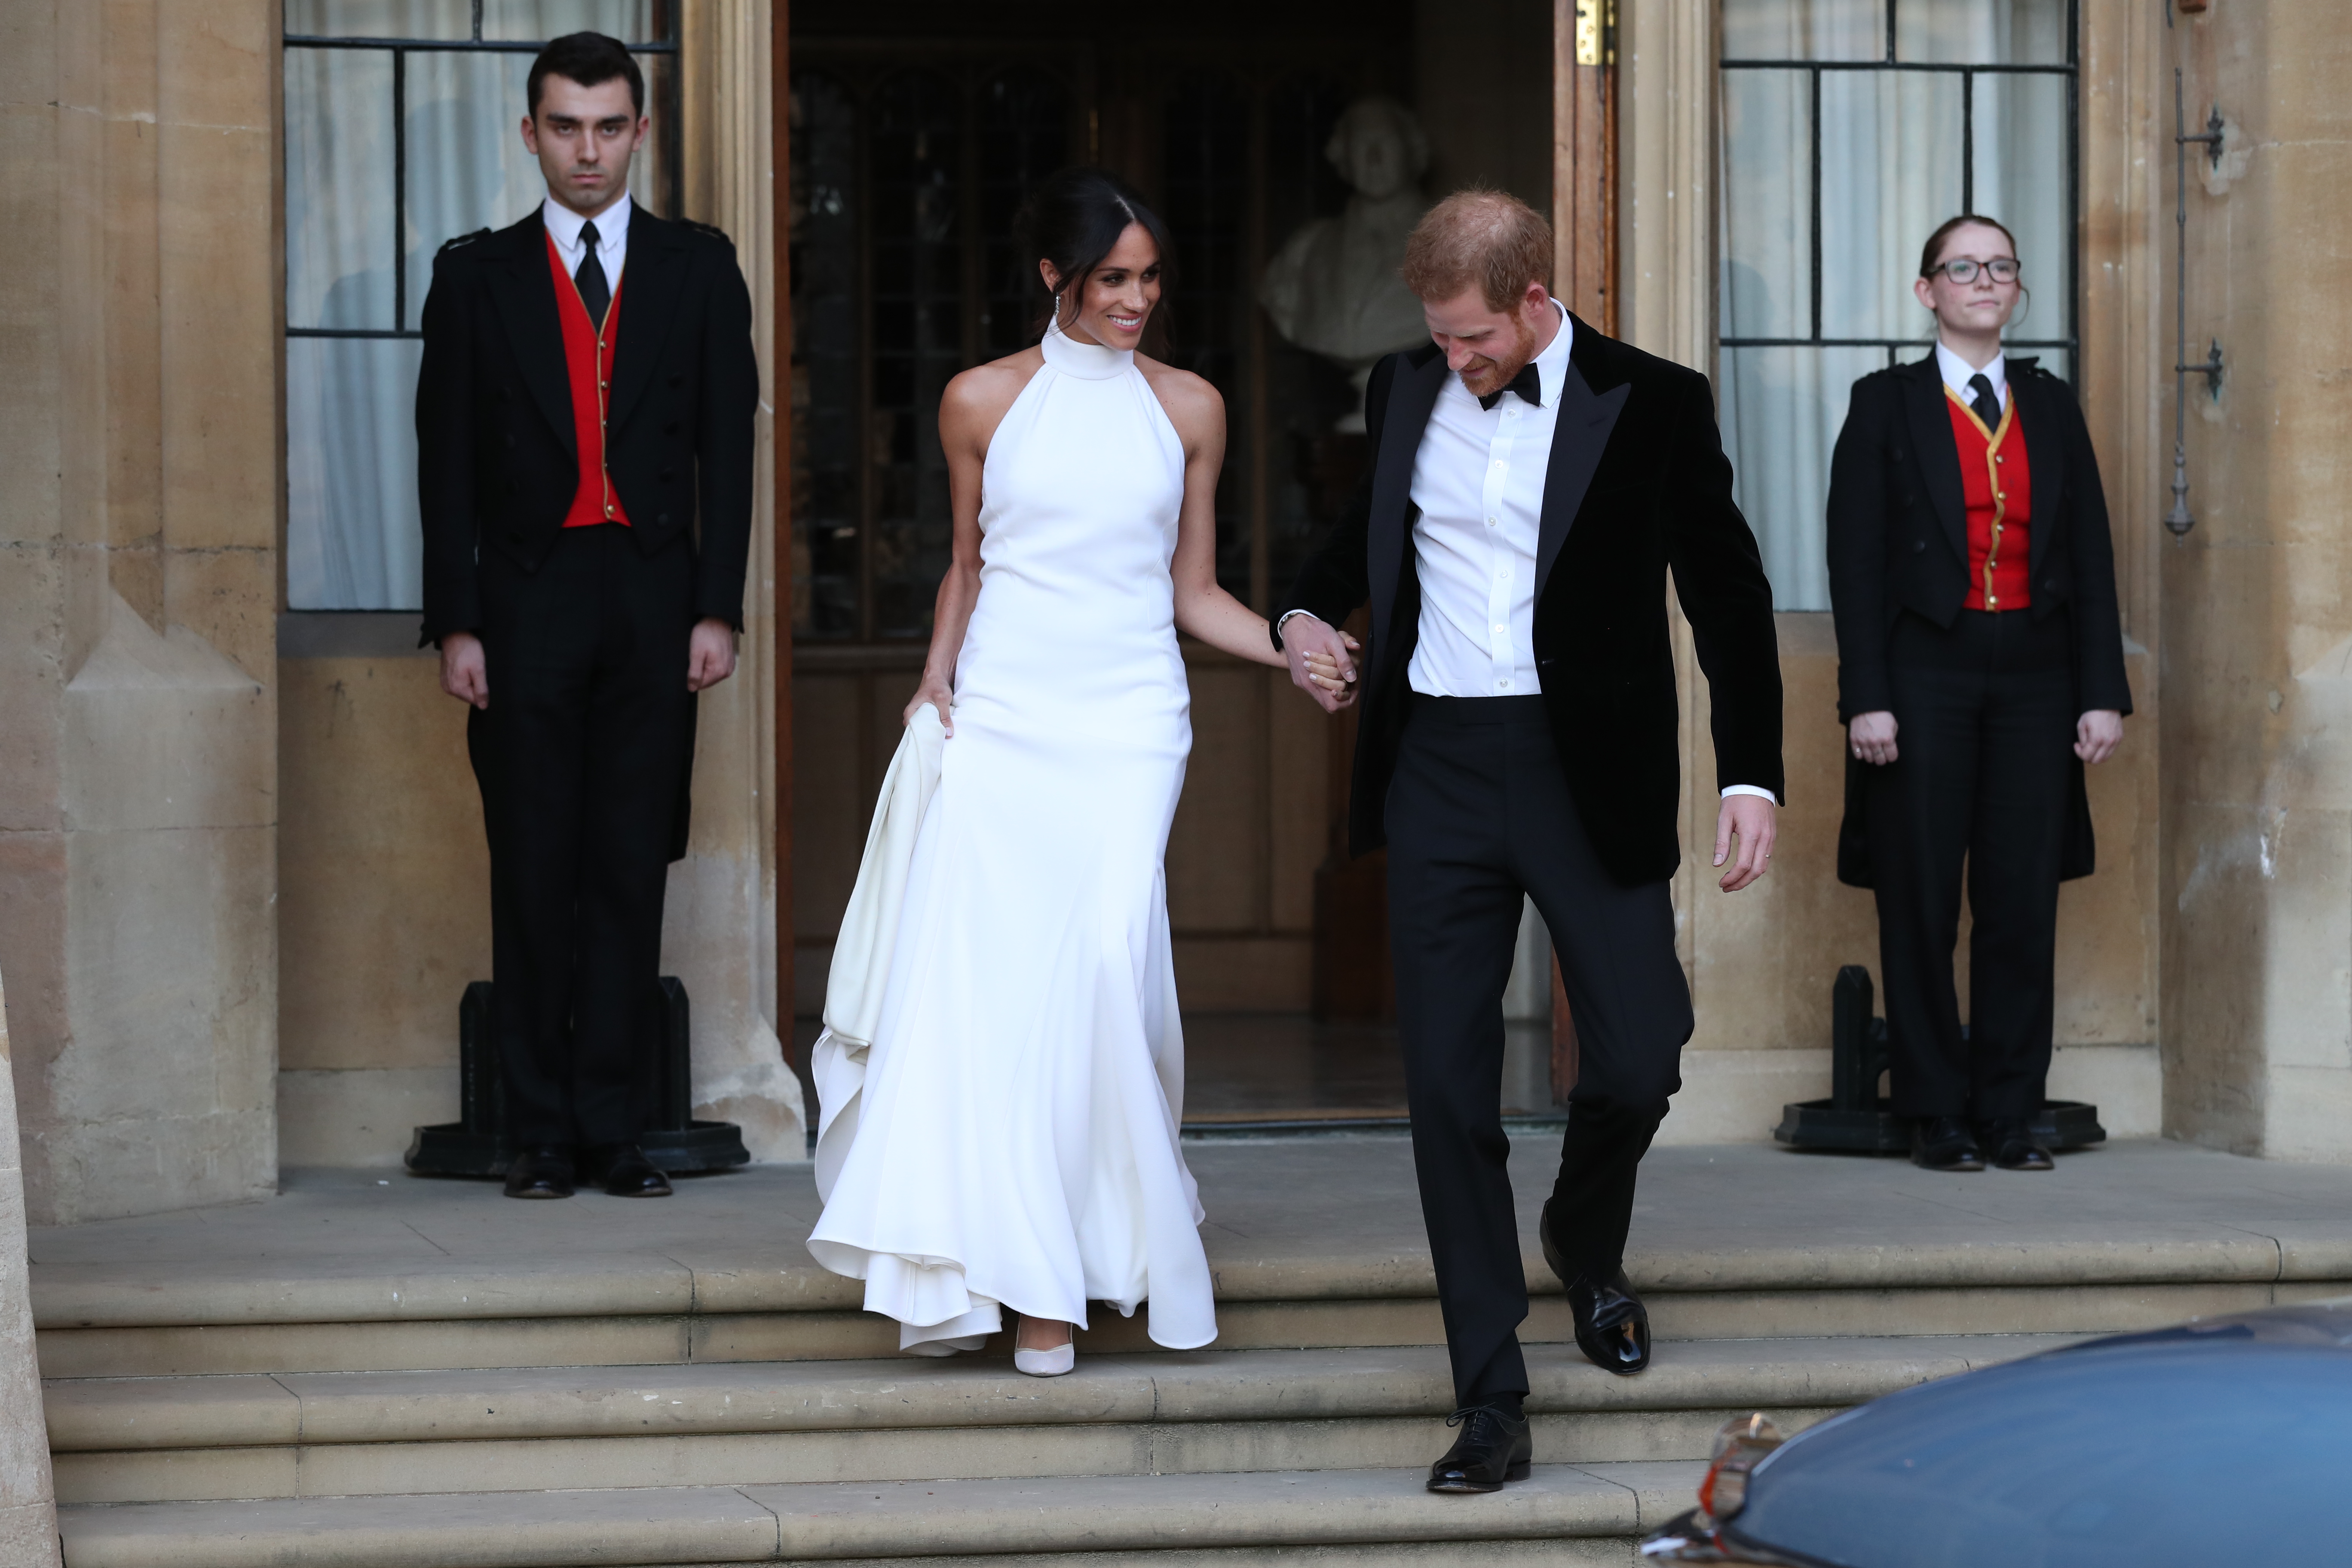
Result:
[[1899, 527], [1898, 541], [1636, 485], [497, 454]]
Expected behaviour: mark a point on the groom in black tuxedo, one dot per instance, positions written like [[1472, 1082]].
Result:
[[1532, 485], [585, 401]]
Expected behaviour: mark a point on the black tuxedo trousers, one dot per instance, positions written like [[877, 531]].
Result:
[[583, 757], [1983, 775], [1478, 815]]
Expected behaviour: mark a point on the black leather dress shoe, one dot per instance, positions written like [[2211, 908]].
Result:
[[2015, 1148], [1944, 1143], [1492, 1448], [545, 1172], [1613, 1327], [629, 1174]]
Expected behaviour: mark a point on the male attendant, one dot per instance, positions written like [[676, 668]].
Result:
[[1532, 484], [586, 398]]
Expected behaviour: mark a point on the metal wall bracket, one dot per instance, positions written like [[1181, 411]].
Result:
[[2209, 367], [2179, 520]]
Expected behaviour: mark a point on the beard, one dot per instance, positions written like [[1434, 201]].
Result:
[[1486, 375]]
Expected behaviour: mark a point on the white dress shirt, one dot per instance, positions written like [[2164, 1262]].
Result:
[[1478, 480], [1956, 372], [612, 236]]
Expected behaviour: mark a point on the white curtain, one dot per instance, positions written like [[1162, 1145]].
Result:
[[1891, 158], [353, 534]]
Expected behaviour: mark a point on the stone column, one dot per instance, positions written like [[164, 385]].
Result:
[[2257, 653], [29, 1512], [139, 521]]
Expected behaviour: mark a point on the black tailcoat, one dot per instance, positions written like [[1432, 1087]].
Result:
[[1637, 485], [498, 459], [1898, 541]]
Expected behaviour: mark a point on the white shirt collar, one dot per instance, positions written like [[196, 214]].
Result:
[[1956, 372], [1551, 365], [563, 225]]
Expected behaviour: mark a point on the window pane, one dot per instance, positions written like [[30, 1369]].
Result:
[[381, 18], [1781, 412], [916, 310], [824, 499], [1804, 29], [1890, 174], [2020, 179], [339, 239], [535, 21], [1981, 32], [1768, 240], [1024, 135], [1206, 183], [466, 165], [353, 539]]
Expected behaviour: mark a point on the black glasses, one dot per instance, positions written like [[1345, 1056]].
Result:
[[1963, 270]]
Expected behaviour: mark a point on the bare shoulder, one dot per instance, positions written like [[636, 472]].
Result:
[[1194, 407], [976, 401]]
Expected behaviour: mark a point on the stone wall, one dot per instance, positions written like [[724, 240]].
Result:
[[29, 1512], [139, 529], [2257, 662]]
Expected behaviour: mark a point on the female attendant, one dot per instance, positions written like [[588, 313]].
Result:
[[1979, 667], [1010, 1138]]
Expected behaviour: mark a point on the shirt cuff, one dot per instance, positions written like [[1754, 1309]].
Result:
[[1730, 790]]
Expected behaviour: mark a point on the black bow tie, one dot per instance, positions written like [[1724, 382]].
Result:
[[1527, 383]]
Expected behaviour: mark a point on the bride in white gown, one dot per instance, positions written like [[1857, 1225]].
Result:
[[1011, 1133]]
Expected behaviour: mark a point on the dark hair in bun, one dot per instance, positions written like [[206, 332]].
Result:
[[1074, 218]]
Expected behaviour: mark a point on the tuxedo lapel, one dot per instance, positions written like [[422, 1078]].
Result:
[[1413, 395], [524, 291], [1939, 457], [1579, 435], [2045, 457], [650, 285]]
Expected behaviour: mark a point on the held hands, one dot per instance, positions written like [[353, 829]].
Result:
[[1321, 661], [939, 695], [1754, 821]]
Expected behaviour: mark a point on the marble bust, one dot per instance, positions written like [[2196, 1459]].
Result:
[[1333, 288]]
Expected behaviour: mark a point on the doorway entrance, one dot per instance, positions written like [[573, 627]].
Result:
[[1247, 127]]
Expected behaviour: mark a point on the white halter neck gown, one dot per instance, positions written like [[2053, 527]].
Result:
[[1016, 1141]]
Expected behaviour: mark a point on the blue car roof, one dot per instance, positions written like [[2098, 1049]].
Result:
[[2188, 1446]]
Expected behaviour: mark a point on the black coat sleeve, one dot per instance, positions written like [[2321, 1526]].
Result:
[[1719, 580], [1337, 579], [2100, 681], [1857, 551], [725, 443], [445, 452]]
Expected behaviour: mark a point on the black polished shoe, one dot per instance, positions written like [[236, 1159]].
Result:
[[2015, 1148], [1492, 1448], [1944, 1143], [1613, 1327], [544, 1172], [629, 1174]]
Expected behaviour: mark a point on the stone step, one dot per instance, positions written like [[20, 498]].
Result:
[[333, 1434], [1575, 1514], [625, 1309]]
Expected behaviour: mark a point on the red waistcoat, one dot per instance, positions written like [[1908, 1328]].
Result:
[[1998, 488], [588, 365]]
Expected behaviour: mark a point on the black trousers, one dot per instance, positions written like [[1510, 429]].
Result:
[[582, 758], [1985, 722], [1478, 815]]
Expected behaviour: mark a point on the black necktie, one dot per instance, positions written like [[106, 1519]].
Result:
[[595, 292], [1527, 383], [1988, 406]]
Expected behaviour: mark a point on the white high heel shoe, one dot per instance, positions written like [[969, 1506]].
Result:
[[1046, 1364]]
